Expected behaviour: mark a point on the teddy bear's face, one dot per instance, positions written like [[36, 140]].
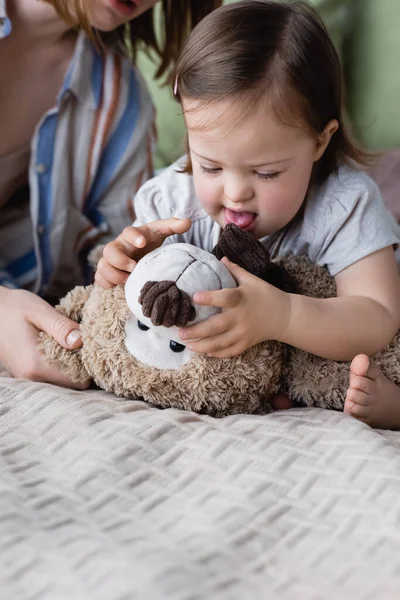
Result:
[[153, 348], [185, 270]]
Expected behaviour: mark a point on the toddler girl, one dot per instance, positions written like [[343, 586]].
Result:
[[260, 87]]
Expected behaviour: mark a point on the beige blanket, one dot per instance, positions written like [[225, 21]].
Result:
[[108, 499]]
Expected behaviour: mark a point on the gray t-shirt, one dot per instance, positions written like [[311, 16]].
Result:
[[342, 221]]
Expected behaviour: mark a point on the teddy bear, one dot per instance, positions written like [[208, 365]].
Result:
[[131, 345]]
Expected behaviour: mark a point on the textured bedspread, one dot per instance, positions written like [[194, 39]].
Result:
[[108, 499]]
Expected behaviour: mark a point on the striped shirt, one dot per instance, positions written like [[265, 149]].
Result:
[[89, 155]]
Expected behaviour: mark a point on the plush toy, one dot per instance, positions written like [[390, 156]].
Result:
[[131, 347]]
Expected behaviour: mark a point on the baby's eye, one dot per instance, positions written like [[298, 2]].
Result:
[[142, 326], [210, 170], [267, 175], [175, 347]]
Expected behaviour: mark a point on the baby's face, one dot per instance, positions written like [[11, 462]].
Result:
[[250, 170]]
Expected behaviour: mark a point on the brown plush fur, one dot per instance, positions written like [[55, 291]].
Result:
[[317, 381], [206, 385], [218, 387], [308, 378]]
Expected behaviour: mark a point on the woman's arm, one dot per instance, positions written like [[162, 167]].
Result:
[[363, 317]]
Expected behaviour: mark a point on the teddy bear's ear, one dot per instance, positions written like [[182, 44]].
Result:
[[243, 249], [165, 304], [67, 361]]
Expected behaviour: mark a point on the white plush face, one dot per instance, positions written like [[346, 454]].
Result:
[[150, 347], [192, 270]]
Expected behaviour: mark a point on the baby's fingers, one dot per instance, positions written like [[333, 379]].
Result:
[[103, 283], [211, 327], [224, 345], [156, 232], [226, 298], [108, 276], [116, 255], [166, 227], [133, 238]]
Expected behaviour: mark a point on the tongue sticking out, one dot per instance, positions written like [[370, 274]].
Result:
[[241, 219]]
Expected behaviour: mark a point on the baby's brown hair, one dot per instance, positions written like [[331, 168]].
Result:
[[279, 51]]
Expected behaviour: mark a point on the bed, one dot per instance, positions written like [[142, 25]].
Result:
[[111, 499]]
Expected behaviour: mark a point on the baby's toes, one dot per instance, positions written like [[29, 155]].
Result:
[[361, 384], [359, 411], [357, 403], [357, 396]]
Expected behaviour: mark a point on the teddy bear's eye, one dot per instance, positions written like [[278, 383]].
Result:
[[175, 347], [142, 326]]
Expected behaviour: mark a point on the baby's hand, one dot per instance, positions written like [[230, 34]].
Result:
[[121, 255], [251, 313]]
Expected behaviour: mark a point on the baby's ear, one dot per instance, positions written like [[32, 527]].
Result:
[[244, 250], [67, 361]]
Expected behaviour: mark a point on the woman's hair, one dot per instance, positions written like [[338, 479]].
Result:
[[179, 18], [277, 51]]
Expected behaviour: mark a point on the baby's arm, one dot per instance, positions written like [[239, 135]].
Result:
[[362, 319]]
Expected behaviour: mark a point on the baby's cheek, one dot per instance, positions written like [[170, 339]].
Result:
[[208, 195]]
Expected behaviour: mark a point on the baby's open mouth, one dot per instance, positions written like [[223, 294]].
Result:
[[242, 219]]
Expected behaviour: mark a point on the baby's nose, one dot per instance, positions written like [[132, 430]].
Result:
[[240, 192]]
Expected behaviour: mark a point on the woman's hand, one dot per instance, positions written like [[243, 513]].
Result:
[[22, 316], [121, 255]]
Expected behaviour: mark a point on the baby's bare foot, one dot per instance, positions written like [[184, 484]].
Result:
[[371, 397]]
